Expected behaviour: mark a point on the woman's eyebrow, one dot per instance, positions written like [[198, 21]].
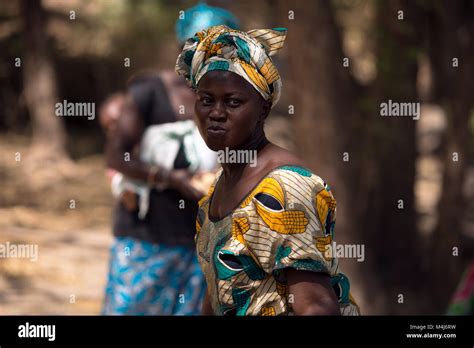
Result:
[[228, 94], [235, 94]]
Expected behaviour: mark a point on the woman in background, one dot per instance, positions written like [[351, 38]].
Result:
[[153, 266]]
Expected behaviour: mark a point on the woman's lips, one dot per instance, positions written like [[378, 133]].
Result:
[[216, 132]]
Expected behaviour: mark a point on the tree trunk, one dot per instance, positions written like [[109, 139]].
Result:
[[40, 87], [327, 127], [452, 37], [391, 221]]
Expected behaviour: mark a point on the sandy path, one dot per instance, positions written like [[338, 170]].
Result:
[[70, 272], [67, 278]]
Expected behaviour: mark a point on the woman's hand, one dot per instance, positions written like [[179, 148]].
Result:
[[129, 200], [312, 293], [180, 179]]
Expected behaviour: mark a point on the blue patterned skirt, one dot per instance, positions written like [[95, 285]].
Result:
[[153, 279]]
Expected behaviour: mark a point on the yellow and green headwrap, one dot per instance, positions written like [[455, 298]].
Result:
[[244, 53]]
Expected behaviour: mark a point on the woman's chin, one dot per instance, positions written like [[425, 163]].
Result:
[[215, 145]]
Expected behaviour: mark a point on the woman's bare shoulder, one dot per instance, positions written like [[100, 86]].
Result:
[[276, 156]]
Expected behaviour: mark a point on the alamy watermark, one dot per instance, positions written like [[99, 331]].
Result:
[[392, 108], [21, 251], [237, 156], [351, 251], [75, 109], [28, 330]]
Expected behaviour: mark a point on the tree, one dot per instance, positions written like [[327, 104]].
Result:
[[451, 52], [375, 188], [328, 126], [40, 87]]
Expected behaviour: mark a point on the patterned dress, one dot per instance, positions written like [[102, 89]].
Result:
[[287, 221], [152, 279]]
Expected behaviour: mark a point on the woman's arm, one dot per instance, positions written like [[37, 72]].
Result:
[[312, 293], [206, 306], [123, 140]]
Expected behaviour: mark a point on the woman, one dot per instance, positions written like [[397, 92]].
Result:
[[263, 231]]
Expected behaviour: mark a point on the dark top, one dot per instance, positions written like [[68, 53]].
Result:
[[165, 222]]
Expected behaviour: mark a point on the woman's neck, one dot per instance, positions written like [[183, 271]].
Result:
[[233, 171]]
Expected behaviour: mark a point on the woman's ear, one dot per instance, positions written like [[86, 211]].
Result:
[[266, 107]]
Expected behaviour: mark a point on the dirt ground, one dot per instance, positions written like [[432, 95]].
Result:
[[70, 273]]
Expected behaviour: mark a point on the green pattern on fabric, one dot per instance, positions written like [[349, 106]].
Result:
[[309, 265], [251, 268], [281, 253], [340, 280], [219, 65], [244, 50], [223, 272], [253, 271], [188, 57], [300, 170], [223, 39], [241, 299]]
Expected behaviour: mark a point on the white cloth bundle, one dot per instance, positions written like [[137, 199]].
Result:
[[159, 146]]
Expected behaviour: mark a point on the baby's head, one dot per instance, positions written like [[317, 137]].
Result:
[[110, 111]]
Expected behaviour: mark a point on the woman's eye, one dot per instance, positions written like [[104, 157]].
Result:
[[234, 102], [206, 101]]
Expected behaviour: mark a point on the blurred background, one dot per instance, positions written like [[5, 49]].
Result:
[[341, 60]]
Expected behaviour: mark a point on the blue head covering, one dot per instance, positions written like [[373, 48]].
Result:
[[201, 17]]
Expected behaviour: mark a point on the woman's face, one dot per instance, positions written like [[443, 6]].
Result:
[[229, 110]]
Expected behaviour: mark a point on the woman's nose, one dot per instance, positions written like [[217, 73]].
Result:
[[218, 112]]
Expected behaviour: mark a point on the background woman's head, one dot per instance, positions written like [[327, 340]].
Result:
[[200, 17]]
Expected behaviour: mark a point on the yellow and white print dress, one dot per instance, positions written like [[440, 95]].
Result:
[[287, 221]]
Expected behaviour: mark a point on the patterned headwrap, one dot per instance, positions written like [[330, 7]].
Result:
[[244, 53]]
